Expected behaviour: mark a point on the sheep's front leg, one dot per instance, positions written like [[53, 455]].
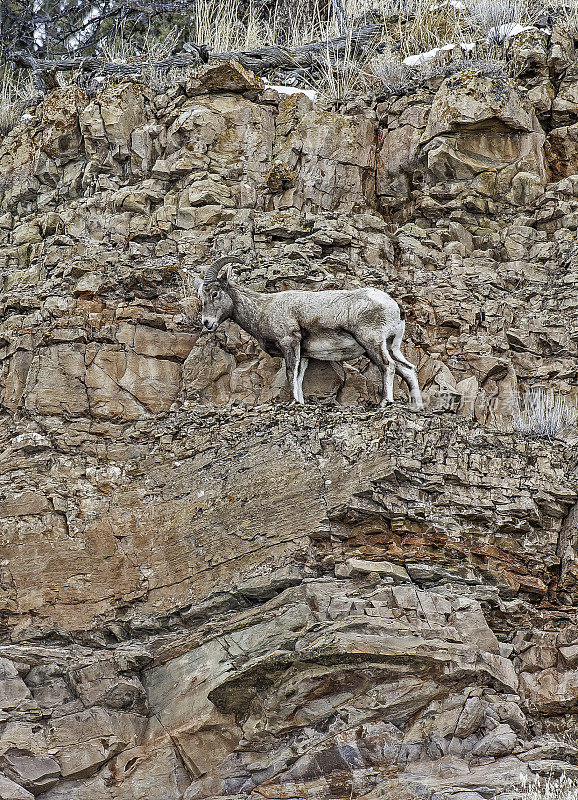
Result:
[[302, 368], [291, 349], [387, 376]]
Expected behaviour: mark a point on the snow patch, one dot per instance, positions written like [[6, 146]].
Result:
[[423, 58], [457, 4], [310, 93]]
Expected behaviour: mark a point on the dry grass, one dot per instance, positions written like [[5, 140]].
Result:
[[120, 47], [387, 9], [411, 27], [219, 24], [566, 14], [162, 79], [301, 27], [226, 27], [429, 25], [496, 19], [340, 81], [15, 91], [188, 296], [552, 789], [541, 413]]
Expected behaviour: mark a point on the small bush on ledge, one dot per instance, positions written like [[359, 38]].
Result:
[[15, 91], [563, 788], [543, 414]]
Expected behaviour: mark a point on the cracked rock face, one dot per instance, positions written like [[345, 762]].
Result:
[[208, 593]]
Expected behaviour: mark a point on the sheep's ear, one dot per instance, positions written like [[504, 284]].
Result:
[[197, 283], [229, 274]]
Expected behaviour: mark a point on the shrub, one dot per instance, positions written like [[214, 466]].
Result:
[[428, 25], [395, 77], [123, 48], [565, 13], [340, 81], [15, 92], [562, 788], [543, 413]]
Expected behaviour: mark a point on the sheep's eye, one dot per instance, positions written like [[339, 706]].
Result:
[[215, 295]]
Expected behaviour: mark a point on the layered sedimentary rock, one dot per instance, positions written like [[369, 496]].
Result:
[[208, 593]]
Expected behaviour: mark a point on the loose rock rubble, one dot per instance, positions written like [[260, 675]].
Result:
[[209, 593]]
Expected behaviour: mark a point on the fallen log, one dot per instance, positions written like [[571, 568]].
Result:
[[260, 60], [263, 59], [102, 67]]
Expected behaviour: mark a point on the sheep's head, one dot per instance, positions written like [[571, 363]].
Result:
[[214, 295]]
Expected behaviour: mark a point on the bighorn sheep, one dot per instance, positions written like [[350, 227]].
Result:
[[334, 325]]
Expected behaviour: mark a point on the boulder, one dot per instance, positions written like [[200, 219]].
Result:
[[480, 134], [224, 76], [13, 690], [332, 156], [61, 137], [34, 772]]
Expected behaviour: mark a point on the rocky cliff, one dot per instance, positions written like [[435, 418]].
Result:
[[209, 593]]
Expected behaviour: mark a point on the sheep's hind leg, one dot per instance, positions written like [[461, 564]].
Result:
[[396, 347], [378, 353], [405, 369], [388, 375], [410, 377]]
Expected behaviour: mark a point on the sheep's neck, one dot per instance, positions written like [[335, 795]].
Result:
[[247, 309]]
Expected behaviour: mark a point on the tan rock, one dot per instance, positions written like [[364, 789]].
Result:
[[61, 109], [397, 155], [85, 741], [552, 691], [570, 655], [122, 383], [13, 690], [55, 381], [478, 127], [332, 157], [147, 143], [148, 341], [17, 155], [24, 234], [9, 790], [108, 122], [33, 772], [223, 76]]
